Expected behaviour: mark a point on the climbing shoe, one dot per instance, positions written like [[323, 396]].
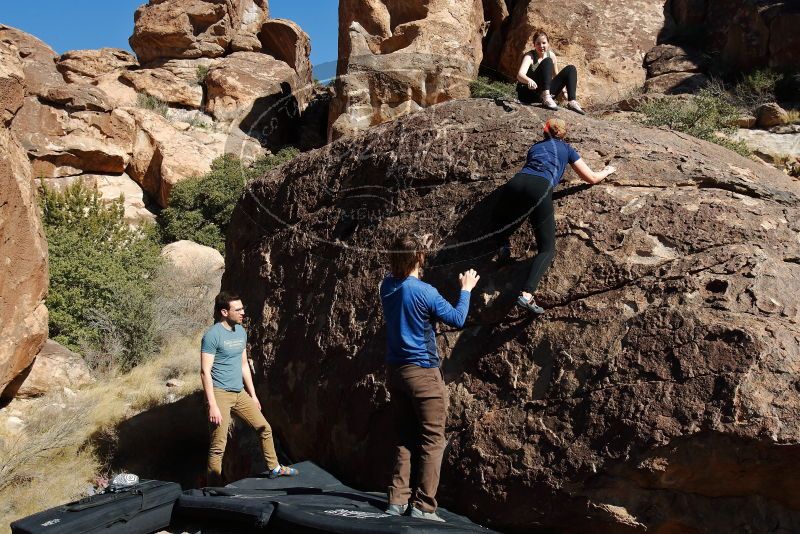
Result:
[[282, 471], [574, 106], [548, 102], [430, 516], [529, 305], [396, 509]]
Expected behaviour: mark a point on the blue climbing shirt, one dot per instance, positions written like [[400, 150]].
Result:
[[548, 158], [409, 307]]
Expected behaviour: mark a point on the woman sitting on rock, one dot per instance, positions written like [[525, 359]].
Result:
[[530, 193], [536, 81]]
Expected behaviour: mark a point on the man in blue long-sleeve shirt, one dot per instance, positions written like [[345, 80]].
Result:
[[418, 394]]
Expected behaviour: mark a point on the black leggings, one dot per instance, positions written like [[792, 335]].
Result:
[[526, 194], [543, 76]]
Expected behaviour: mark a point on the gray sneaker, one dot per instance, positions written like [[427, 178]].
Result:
[[396, 509], [430, 516]]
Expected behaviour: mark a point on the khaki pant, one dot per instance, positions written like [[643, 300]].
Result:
[[242, 405], [419, 409]]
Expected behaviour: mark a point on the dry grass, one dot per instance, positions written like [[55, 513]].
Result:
[[50, 462], [794, 116]]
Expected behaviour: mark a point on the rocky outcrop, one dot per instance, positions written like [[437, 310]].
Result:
[[190, 29], [606, 41], [398, 57], [162, 156], [87, 66], [23, 255], [38, 60], [674, 70], [746, 34], [64, 143], [286, 41], [12, 84], [55, 368], [657, 393], [175, 83]]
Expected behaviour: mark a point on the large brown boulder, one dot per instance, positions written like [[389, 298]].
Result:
[[744, 34], [398, 57], [189, 29], [659, 391], [606, 41], [23, 256]]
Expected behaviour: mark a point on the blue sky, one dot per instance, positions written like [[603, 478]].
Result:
[[78, 24]]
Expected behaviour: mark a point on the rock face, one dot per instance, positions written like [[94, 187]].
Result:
[[746, 34], [674, 70], [56, 367], [398, 57], [606, 41], [189, 29], [23, 256], [659, 391]]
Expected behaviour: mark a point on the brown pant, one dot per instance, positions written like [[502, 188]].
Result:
[[419, 408], [242, 405]]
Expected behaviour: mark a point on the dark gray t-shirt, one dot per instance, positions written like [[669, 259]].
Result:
[[227, 347]]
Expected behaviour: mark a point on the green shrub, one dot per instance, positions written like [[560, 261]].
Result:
[[755, 89], [485, 87], [201, 208], [101, 272], [707, 114], [148, 101], [201, 72]]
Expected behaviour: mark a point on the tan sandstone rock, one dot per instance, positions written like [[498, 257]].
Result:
[[12, 82], [286, 41], [398, 57], [23, 263], [162, 155], [89, 65], [606, 41], [197, 274], [60, 143], [190, 29], [166, 86], [38, 60], [771, 114], [248, 86], [55, 368]]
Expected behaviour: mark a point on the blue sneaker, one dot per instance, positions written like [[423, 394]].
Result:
[[529, 305]]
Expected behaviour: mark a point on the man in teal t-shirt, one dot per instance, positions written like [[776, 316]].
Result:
[[228, 385]]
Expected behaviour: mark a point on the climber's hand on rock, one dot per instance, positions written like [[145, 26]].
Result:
[[468, 279]]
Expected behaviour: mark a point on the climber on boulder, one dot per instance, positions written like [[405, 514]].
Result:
[[418, 393], [530, 194]]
